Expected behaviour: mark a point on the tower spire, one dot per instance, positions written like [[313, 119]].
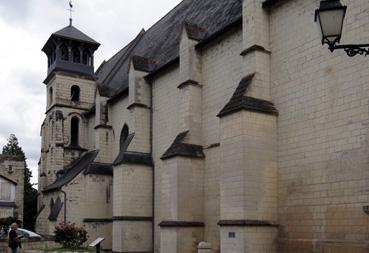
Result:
[[70, 11]]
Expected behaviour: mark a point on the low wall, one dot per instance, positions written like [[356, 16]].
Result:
[[37, 251], [30, 244]]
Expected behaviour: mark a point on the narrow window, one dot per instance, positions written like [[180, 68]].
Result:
[[74, 132], [76, 55], [123, 136], [64, 53], [74, 93], [53, 56], [51, 95]]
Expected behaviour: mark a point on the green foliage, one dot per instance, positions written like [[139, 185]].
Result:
[[70, 235], [30, 194], [13, 148], [6, 222]]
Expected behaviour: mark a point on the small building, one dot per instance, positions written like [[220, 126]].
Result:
[[12, 171]]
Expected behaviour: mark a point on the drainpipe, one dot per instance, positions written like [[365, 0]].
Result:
[[65, 205], [153, 169]]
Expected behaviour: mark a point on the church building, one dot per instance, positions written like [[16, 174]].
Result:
[[225, 127]]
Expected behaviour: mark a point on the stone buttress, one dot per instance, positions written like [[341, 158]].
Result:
[[248, 143], [182, 227], [133, 170]]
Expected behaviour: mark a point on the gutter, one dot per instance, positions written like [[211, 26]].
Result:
[[65, 205], [153, 168]]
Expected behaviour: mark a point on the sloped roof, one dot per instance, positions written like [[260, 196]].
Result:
[[179, 148], [160, 43], [71, 171], [70, 32], [127, 157], [99, 169], [239, 101]]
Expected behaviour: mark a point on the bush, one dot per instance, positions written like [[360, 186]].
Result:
[[70, 235], [8, 221]]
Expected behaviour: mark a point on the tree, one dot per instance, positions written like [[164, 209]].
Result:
[[30, 194]]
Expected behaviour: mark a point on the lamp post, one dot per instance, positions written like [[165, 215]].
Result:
[[330, 17]]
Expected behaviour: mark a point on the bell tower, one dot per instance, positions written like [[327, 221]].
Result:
[[70, 85]]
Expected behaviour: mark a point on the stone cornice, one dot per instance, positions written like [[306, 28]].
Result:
[[182, 224], [132, 218], [247, 223], [255, 48]]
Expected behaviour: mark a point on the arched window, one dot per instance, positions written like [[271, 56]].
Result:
[[76, 54], [86, 58], [123, 136], [74, 93], [64, 55], [51, 96], [74, 132]]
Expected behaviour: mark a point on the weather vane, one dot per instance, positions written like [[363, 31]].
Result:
[[70, 11]]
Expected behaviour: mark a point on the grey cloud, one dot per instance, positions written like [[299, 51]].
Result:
[[15, 11], [113, 23]]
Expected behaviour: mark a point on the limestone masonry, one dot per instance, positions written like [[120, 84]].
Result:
[[225, 127], [12, 169]]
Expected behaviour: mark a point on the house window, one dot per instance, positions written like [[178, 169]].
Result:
[[74, 93], [74, 132], [7, 191], [123, 136]]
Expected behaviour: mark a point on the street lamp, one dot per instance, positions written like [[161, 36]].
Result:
[[330, 17]]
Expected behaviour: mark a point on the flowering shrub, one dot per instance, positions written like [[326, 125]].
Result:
[[70, 235]]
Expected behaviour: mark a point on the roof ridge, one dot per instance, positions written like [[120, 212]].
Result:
[[175, 7]]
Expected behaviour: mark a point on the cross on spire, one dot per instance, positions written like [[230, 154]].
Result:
[[70, 11]]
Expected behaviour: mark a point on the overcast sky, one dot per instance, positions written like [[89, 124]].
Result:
[[25, 25]]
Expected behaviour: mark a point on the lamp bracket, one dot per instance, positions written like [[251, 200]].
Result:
[[352, 49]]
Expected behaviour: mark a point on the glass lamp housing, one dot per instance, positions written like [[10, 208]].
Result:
[[330, 17]]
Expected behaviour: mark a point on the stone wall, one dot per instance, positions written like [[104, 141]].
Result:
[[322, 98], [13, 168], [221, 72]]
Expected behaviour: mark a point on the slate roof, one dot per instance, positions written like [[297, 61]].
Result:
[[127, 157], [99, 169], [55, 209], [178, 148], [240, 101], [72, 170], [268, 3], [160, 44], [70, 32]]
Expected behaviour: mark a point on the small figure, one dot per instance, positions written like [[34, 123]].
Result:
[[14, 239]]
